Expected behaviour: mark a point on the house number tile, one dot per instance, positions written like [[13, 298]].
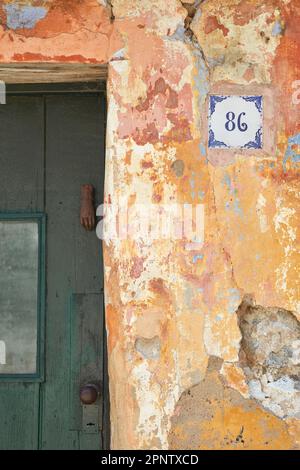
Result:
[[235, 122]]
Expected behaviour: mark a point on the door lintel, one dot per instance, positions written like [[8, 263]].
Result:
[[37, 72]]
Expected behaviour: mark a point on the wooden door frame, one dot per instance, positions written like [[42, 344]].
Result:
[[46, 72]]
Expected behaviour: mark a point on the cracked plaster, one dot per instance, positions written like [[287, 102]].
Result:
[[165, 56]]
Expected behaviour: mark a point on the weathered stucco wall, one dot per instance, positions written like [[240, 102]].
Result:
[[204, 343]]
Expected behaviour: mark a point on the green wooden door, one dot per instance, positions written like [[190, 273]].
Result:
[[51, 283]]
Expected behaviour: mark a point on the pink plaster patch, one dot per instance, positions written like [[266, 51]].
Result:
[[137, 268]]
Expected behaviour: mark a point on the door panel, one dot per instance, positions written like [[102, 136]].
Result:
[[49, 146], [86, 357], [22, 154], [74, 136], [19, 411]]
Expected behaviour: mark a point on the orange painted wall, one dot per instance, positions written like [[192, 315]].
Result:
[[182, 372]]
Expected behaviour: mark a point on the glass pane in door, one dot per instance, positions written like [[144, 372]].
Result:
[[19, 291]]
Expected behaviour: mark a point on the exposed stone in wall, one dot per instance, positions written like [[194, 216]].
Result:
[[270, 356]]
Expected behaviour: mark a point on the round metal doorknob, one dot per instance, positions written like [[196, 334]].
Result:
[[89, 393]]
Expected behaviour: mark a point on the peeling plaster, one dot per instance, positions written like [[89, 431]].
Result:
[[174, 310], [23, 16], [213, 415]]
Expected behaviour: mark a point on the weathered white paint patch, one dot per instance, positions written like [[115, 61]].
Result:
[[282, 220], [260, 206], [147, 393], [2, 92]]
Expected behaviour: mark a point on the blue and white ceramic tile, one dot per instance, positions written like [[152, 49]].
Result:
[[235, 122]]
